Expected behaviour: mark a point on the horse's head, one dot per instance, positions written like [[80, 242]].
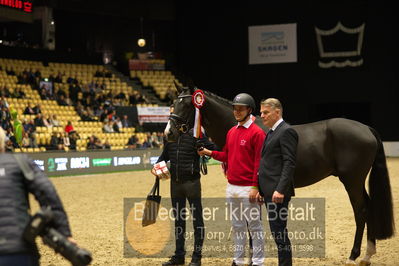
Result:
[[182, 117]]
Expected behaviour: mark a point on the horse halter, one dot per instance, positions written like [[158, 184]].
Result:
[[181, 124]]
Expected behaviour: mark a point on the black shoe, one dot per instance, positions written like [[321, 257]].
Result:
[[174, 261], [195, 263], [234, 263], [195, 260]]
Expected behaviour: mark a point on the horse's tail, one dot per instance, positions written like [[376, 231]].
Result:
[[382, 220]]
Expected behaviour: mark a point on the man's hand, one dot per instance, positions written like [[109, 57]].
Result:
[[277, 197], [204, 151], [73, 241], [252, 194], [153, 171], [259, 198]]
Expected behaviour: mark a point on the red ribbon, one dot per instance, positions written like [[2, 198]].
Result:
[[198, 98]]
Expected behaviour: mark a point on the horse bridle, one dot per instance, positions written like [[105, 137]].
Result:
[[181, 124]]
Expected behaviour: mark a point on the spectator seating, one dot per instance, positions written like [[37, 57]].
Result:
[[84, 74], [160, 80]]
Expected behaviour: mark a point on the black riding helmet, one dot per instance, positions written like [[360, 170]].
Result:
[[245, 99]]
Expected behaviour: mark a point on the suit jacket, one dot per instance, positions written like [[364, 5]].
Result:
[[277, 164]]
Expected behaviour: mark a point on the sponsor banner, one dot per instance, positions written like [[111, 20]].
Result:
[[102, 162], [82, 163], [272, 44], [40, 164], [130, 160], [153, 114]]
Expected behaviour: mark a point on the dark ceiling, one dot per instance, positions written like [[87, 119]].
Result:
[[149, 9]]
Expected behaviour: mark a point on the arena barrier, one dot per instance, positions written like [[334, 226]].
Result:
[[92, 162], [391, 148]]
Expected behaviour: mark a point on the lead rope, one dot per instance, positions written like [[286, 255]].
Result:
[[203, 166], [203, 160]]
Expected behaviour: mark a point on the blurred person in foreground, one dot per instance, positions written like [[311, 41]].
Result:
[[15, 187]]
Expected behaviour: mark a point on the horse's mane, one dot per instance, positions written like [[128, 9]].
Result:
[[220, 99]]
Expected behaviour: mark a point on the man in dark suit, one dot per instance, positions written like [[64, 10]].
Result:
[[276, 173]]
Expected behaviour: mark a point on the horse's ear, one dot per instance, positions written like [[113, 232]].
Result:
[[193, 88], [178, 87]]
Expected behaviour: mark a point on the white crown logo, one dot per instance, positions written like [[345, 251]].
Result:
[[354, 52]]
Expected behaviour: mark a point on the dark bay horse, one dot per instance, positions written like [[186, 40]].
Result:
[[340, 147]]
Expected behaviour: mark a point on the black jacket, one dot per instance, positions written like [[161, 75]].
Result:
[[277, 164], [14, 204], [183, 157]]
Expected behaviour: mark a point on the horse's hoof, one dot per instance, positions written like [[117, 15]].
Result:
[[350, 263], [364, 263]]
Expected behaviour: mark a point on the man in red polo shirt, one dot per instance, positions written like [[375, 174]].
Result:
[[242, 153]]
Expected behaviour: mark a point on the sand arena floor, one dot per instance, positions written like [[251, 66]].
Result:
[[94, 204]]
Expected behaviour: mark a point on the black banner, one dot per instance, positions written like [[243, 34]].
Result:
[[81, 163]]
